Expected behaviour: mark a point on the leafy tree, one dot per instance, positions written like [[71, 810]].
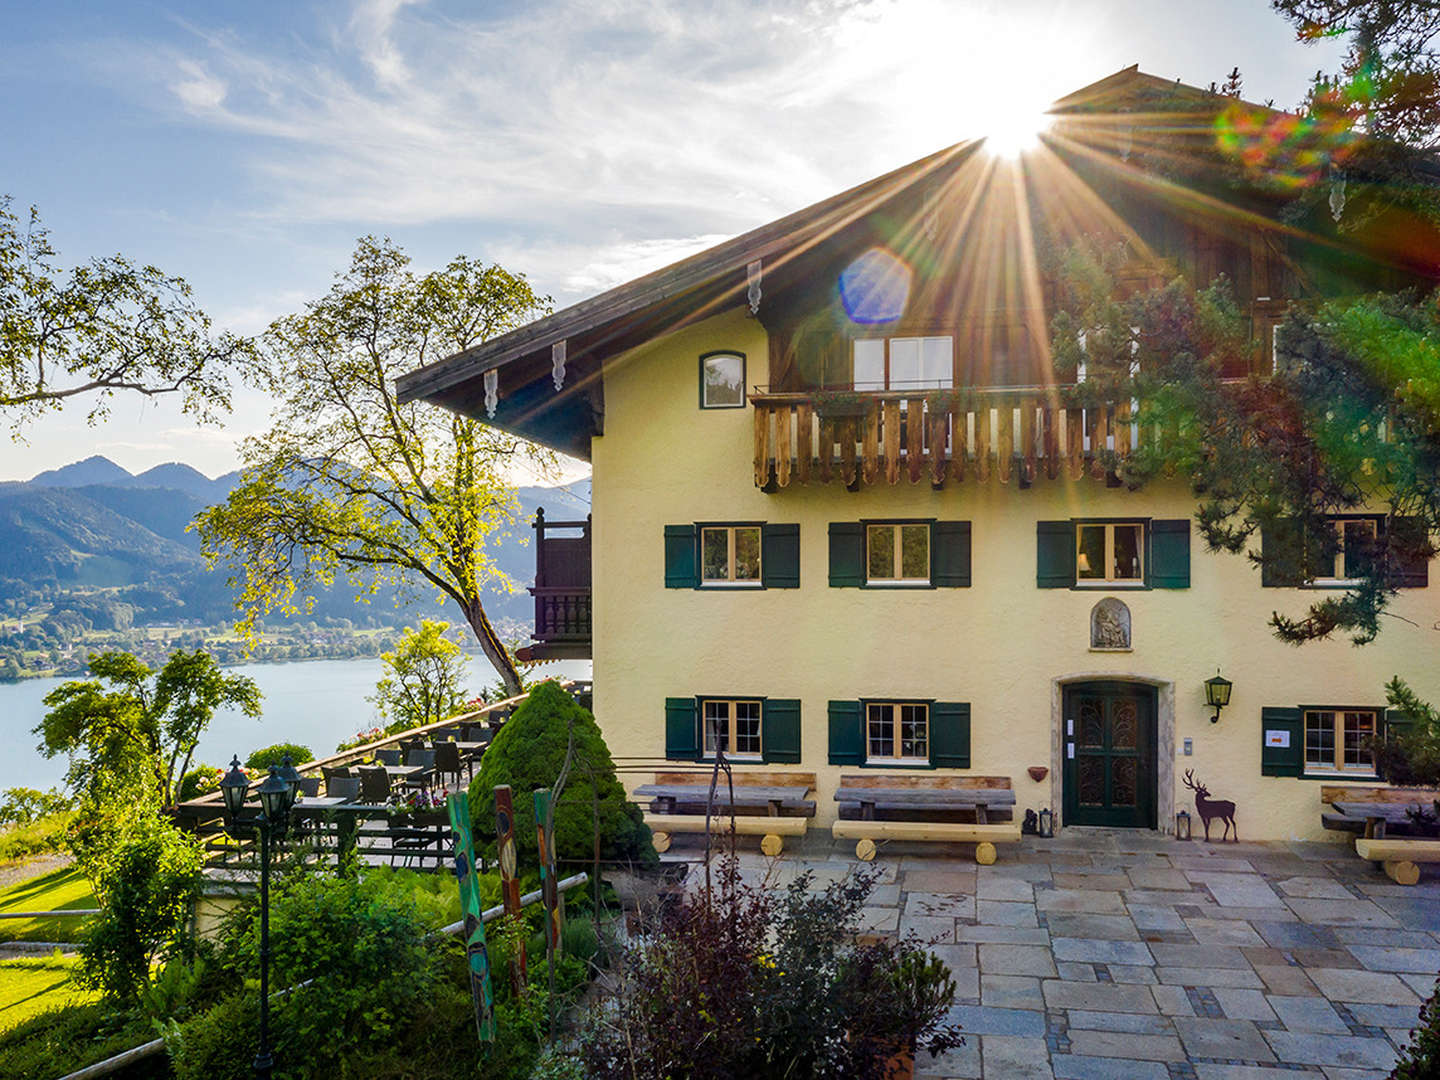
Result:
[[22, 805], [145, 885], [424, 678], [133, 734], [106, 327], [261, 760], [1349, 421], [528, 753], [350, 482]]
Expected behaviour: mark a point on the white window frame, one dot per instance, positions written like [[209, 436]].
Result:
[[709, 739], [1109, 582], [1338, 523], [1338, 716], [899, 527], [887, 380], [896, 719], [730, 581]]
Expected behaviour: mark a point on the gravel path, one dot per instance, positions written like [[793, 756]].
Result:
[[24, 869]]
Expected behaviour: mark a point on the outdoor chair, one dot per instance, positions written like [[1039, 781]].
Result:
[[375, 785], [343, 787], [388, 757], [310, 786], [448, 761], [425, 759], [474, 732], [340, 773]]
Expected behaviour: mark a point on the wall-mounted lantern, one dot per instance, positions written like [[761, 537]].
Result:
[[1182, 825], [1047, 822], [1217, 694]]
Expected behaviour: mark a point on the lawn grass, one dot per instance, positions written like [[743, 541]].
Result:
[[55, 891], [32, 985]]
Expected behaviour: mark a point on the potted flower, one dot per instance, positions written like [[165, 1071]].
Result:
[[404, 807]]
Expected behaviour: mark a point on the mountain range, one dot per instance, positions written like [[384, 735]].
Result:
[[92, 525]]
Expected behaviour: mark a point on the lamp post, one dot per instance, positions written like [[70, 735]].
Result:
[[276, 797]]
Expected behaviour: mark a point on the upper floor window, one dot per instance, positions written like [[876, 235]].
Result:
[[730, 555], [732, 727], [1347, 548], [904, 363], [898, 554], [1110, 553], [897, 731], [1338, 740], [722, 380]]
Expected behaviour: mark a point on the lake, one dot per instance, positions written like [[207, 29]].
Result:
[[316, 703]]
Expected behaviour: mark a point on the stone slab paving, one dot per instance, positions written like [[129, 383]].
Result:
[[1112, 954]]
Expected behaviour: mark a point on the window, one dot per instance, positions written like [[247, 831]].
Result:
[[732, 726], [897, 732], [1337, 740], [1110, 553], [722, 380], [898, 554], [1344, 553], [908, 363], [730, 555]]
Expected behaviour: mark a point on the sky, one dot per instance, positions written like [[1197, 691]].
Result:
[[245, 146]]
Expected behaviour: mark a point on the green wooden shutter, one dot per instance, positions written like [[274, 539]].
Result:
[[1282, 760], [681, 566], [1054, 554], [780, 730], [847, 734], [847, 554], [780, 556], [1170, 554], [1282, 555], [1410, 564], [950, 735], [950, 554], [682, 741]]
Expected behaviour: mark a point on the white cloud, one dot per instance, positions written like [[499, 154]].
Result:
[[196, 88]]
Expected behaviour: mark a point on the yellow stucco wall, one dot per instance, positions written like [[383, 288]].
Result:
[[999, 645]]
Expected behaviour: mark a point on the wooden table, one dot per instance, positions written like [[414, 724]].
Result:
[[979, 800], [1380, 816], [771, 792]]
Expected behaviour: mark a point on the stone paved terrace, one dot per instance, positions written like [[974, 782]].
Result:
[[1110, 955]]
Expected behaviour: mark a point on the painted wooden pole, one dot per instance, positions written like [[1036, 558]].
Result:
[[509, 883], [479, 957], [554, 901]]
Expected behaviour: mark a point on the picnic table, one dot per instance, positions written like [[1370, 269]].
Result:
[[678, 804], [875, 806], [1379, 818]]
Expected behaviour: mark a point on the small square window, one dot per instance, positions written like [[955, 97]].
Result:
[[730, 555], [732, 727], [722, 381], [1338, 741], [897, 731], [1110, 553], [898, 554]]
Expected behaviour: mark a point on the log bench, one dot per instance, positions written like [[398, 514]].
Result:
[[1399, 857], [771, 805], [905, 806]]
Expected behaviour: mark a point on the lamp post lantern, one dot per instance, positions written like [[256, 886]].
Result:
[[276, 797], [1217, 694]]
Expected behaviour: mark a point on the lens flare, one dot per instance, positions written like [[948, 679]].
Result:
[[875, 287], [1012, 130]]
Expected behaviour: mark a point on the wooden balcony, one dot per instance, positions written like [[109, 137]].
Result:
[[999, 434], [561, 591]]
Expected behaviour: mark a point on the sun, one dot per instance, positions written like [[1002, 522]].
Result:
[[1010, 131]]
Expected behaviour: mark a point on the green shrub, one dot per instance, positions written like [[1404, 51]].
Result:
[[37, 838], [145, 886], [57, 1043], [201, 780], [527, 754], [275, 755], [1420, 1060]]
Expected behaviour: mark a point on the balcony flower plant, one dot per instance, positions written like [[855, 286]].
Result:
[[840, 403]]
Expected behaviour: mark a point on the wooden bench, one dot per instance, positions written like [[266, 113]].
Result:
[[771, 805], [1399, 856], [870, 803], [1370, 810]]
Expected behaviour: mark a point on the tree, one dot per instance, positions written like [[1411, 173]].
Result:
[[424, 678], [347, 480], [1350, 420], [108, 326], [129, 741]]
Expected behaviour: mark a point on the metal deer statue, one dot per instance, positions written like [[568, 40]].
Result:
[[1209, 808]]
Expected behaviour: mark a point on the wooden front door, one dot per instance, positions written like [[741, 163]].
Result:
[[1109, 748]]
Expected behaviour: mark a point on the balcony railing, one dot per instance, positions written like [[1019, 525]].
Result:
[[561, 589], [1004, 433]]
